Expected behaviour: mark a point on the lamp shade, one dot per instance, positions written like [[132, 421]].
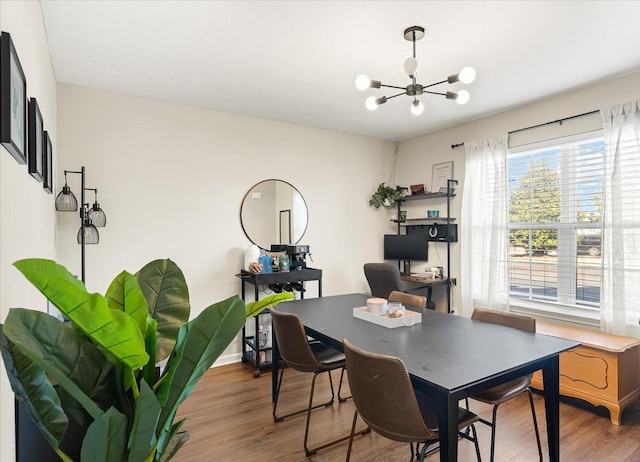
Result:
[[91, 235], [97, 216], [66, 201]]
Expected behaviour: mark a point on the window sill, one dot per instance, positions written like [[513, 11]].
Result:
[[578, 317]]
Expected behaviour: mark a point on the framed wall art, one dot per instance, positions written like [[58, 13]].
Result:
[[13, 101], [440, 174], [47, 158], [36, 145]]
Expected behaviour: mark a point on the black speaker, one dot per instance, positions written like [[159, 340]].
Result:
[[436, 232]]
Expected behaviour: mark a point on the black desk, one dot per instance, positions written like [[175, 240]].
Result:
[[428, 282], [449, 357]]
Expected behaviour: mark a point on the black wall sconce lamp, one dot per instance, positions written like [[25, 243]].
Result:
[[91, 217]]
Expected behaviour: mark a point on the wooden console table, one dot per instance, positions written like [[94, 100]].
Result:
[[604, 370]]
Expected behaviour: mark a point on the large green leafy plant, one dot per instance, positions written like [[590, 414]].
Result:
[[100, 360]]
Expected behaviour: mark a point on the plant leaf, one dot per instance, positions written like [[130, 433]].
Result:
[[124, 294], [151, 342], [255, 308], [176, 441], [113, 330], [65, 354], [106, 439], [142, 437], [165, 289], [36, 394], [201, 341]]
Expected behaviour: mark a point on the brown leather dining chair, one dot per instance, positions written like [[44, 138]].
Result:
[[303, 355], [387, 402], [502, 393], [419, 301]]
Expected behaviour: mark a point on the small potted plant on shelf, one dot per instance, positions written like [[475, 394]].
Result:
[[386, 196]]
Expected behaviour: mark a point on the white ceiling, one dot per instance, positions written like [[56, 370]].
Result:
[[296, 61]]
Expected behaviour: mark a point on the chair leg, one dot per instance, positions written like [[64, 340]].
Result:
[[493, 427], [340, 398], [310, 452], [277, 418], [535, 423], [475, 442], [353, 429]]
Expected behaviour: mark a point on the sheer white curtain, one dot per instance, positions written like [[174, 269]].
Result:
[[483, 228], [620, 289]]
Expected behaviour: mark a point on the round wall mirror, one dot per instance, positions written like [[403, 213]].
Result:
[[273, 212]]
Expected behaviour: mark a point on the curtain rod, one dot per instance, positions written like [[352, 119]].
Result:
[[558, 121]]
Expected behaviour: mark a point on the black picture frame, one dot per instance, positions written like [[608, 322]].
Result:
[[13, 101], [47, 157], [36, 138]]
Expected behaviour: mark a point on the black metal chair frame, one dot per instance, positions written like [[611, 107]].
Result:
[[317, 369], [495, 318]]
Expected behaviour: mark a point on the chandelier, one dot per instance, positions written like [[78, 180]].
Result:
[[414, 89]]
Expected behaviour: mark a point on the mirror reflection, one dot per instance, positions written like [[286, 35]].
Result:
[[273, 212]]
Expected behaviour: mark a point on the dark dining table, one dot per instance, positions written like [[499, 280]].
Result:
[[449, 357]]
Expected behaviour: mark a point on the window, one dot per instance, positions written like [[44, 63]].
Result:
[[555, 221]]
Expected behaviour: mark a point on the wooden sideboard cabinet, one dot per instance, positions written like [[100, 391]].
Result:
[[604, 370]]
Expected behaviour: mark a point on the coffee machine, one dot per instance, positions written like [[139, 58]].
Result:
[[298, 256]]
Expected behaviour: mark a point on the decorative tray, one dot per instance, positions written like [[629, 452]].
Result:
[[409, 318]]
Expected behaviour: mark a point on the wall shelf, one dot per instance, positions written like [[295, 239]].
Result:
[[409, 224]]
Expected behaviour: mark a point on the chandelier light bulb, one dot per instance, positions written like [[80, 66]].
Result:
[[362, 82], [371, 103], [467, 75], [417, 107], [411, 66], [463, 97]]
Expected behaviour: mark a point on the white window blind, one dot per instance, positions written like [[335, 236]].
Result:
[[555, 216]]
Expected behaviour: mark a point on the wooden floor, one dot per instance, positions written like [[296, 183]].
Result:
[[229, 418]]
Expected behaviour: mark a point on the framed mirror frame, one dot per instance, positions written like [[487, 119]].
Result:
[[273, 212]]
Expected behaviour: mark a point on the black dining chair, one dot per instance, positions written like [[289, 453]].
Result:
[[387, 402], [383, 278], [303, 355], [514, 388]]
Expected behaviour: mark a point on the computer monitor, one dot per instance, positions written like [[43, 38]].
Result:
[[406, 247]]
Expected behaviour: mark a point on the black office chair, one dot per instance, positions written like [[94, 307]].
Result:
[[304, 356], [383, 278], [385, 399], [502, 393]]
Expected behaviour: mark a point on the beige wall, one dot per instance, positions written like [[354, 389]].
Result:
[[27, 215], [171, 180]]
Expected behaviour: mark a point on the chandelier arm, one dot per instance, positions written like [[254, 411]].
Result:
[[434, 84], [392, 86], [435, 93], [399, 94]]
